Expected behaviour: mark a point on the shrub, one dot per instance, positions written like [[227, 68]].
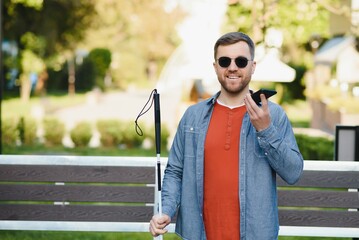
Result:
[[101, 59], [54, 131], [315, 148], [81, 134], [130, 138], [9, 131], [110, 131], [27, 128], [165, 133]]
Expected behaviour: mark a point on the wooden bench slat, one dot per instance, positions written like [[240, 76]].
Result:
[[68, 173], [80, 193], [314, 218], [317, 198], [326, 179], [94, 213]]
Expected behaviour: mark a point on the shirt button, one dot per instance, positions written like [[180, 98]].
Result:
[[191, 129], [266, 153]]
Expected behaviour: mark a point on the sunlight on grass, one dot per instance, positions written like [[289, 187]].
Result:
[[16, 108]]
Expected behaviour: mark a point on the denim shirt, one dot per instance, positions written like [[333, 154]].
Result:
[[263, 155]]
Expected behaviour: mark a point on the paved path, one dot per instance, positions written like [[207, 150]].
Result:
[[123, 106], [127, 105]]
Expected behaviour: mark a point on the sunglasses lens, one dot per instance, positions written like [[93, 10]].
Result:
[[224, 62], [241, 62]]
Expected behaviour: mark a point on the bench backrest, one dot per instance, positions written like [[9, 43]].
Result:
[[76, 189], [323, 202], [118, 193]]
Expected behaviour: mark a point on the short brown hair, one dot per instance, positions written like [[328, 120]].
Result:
[[232, 38]]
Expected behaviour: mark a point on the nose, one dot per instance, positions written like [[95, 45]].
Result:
[[232, 66]]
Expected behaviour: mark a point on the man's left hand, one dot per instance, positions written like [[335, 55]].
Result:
[[259, 116]]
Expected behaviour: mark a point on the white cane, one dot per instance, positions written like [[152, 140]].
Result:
[[156, 98]]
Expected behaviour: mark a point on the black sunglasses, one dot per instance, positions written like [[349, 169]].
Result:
[[241, 62]]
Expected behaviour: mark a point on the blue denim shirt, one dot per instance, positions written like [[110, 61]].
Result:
[[263, 155]]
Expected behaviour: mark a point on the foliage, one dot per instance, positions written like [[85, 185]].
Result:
[[335, 99], [138, 33], [101, 60], [129, 136], [165, 133], [27, 128], [9, 131], [110, 131], [85, 75], [57, 24], [54, 131], [43, 28], [298, 20], [315, 148], [81, 134], [295, 90]]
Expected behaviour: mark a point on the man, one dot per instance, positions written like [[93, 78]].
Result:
[[222, 166]]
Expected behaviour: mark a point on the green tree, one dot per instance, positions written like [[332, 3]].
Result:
[[297, 20], [140, 34], [45, 28]]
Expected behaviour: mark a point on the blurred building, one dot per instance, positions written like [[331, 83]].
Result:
[[336, 64]]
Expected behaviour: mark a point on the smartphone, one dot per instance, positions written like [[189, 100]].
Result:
[[268, 93]]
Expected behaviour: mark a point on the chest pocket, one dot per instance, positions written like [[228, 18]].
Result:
[[191, 140]]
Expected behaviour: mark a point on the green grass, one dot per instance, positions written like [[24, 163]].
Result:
[[82, 151], [14, 107], [46, 235]]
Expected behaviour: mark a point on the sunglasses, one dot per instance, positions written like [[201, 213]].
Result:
[[241, 62]]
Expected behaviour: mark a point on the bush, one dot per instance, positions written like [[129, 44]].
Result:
[[54, 131], [9, 131], [110, 131], [81, 134], [27, 128], [101, 59], [130, 138], [85, 75], [315, 148], [165, 133]]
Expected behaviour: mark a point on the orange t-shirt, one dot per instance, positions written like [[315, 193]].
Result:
[[221, 208]]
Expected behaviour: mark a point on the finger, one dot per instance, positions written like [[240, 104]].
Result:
[[251, 105], [157, 231], [158, 224], [264, 102]]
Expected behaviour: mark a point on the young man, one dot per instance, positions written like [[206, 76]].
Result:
[[222, 166]]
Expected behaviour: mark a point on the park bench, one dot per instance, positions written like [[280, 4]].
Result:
[[116, 194]]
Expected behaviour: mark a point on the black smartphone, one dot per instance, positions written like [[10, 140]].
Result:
[[268, 93]]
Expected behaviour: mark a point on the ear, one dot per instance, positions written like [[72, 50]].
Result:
[[254, 64], [215, 66]]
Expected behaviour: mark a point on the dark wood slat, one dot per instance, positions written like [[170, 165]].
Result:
[[326, 179], [318, 218], [76, 213], [81, 193], [40, 173], [314, 198]]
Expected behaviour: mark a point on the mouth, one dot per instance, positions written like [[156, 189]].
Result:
[[233, 77]]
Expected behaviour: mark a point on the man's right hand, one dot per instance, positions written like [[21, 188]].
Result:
[[158, 224]]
